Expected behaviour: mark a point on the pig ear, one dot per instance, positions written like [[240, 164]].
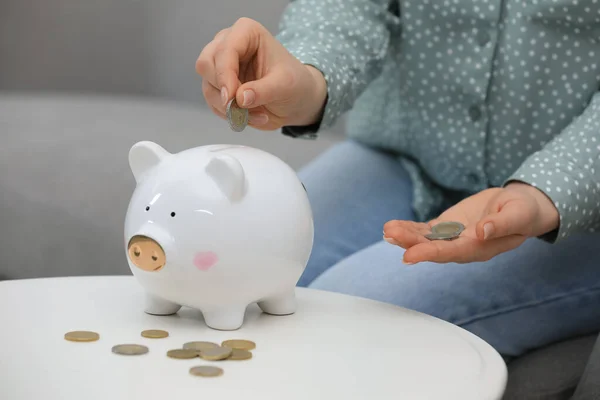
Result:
[[227, 172], [143, 156]]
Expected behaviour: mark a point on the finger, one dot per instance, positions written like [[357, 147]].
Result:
[[405, 233], [221, 34], [205, 64], [213, 97], [256, 118], [239, 45], [512, 218], [270, 88], [461, 250]]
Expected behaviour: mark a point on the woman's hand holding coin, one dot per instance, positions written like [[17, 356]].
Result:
[[494, 220], [245, 67]]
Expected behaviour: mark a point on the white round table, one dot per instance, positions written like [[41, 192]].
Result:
[[334, 347]]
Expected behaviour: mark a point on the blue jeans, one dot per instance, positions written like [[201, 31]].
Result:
[[529, 297]]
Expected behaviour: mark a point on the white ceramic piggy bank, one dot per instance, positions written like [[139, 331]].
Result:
[[217, 228]]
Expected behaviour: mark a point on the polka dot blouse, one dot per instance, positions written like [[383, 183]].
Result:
[[470, 94]]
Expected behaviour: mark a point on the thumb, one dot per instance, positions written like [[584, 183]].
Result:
[[506, 218], [271, 87]]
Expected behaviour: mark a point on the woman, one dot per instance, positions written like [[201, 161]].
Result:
[[485, 113]]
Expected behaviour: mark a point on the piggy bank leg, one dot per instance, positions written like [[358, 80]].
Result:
[[283, 304], [227, 319], [158, 306]]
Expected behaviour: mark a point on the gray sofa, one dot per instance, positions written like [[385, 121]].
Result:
[[108, 74]]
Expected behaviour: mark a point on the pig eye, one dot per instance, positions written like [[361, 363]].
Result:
[[173, 214], [147, 208]]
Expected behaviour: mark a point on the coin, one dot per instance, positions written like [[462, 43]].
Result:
[[206, 371], [155, 334], [182, 353], [238, 355], [239, 344], [216, 354], [440, 236], [200, 346], [82, 336], [448, 228], [237, 117], [130, 349]]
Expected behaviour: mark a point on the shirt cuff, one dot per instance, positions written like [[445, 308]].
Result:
[[338, 78], [564, 184]]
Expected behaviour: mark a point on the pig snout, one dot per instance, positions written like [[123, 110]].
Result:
[[146, 254]]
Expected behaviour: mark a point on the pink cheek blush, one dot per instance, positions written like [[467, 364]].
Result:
[[204, 260]]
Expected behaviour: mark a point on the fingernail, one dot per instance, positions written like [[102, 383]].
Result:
[[248, 98], [407, 263], [258, 119], [488, 230], [391, 241], [224, 96]]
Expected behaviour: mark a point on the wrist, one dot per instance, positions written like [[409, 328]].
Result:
[[547, 218], [317, 96]]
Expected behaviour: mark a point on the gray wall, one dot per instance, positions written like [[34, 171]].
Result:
[[145, 47], [131, 47]]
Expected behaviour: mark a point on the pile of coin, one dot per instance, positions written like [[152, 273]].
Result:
[[233, 350], [446, 231], [236, 116]]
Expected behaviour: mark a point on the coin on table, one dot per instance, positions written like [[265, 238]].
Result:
[[206, 371], [130, 349], [216, 354], [155, 334], [199, 346], [239, 344], [448, 228], [236, 116], [82, 336], [182, 353], [238, 355]]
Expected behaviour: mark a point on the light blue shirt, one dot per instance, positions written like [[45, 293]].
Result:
[[470, 93]]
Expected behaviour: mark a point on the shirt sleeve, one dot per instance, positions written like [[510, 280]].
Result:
[[346, 40], [567, 170]]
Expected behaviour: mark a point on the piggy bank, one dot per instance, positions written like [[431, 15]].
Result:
[[216, 228]]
